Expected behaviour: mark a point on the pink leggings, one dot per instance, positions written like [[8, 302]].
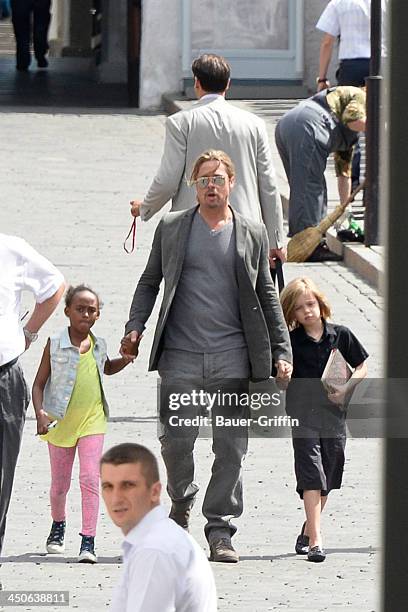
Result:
[[62, 460]]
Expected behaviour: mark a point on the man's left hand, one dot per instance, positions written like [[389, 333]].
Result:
[[135, 207], [276, 254]]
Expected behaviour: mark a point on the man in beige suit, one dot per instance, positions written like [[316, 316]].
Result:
[[214, 123]]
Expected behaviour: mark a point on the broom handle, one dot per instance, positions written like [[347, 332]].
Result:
[[338, 211]]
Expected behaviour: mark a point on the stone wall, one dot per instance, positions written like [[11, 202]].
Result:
[[312, 39], [161, 65]]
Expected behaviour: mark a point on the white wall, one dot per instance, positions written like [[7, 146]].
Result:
[[161, 67], [161, 62], [312, 39]]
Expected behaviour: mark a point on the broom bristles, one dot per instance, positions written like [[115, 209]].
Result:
[[302, 245]]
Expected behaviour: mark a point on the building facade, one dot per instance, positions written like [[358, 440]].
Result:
[[272, 45]]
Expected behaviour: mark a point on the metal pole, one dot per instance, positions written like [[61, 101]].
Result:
[[134, 13], [373, 82], [395, 566]]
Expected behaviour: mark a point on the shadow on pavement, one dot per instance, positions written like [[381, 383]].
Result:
[[39, 558]]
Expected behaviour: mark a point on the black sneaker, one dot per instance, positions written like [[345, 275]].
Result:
[[87, 550], [323, 253], [302, 542], [55, 541], [42, 63], [222, 551], [316, 554]]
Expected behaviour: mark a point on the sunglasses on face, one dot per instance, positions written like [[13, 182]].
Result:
[[204, 181]]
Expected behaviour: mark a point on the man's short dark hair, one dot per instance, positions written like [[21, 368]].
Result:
[[213, 72], [129, 452]]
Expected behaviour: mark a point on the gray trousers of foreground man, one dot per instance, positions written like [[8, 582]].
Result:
[[14, 399], [227, 372]]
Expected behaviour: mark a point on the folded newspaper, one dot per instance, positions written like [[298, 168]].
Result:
[[337, 371]]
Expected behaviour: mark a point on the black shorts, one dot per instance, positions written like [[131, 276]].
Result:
[[319, 460]]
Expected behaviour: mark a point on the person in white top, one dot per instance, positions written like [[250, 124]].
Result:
[[22, 269], [214, 123], [164, 568], [348, 21]]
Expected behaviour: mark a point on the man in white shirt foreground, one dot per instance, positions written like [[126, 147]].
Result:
[[164, 568], [22, 269]]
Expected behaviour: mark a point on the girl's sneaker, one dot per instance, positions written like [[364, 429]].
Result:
[[55, 541], [87, 550]]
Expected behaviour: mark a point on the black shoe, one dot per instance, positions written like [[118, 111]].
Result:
[[349, 235], [302, 542], [181, 517], [42, 62], [222, 551], [55, 541], [316, 554], [323, 253], [87, 550]]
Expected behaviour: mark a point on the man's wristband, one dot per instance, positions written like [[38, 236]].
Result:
[[319, 80]]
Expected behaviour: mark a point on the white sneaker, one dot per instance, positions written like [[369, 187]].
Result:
[[87, 550]]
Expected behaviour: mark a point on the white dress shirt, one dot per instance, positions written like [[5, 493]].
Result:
[[350, 19], [164, 570], [21, 268]]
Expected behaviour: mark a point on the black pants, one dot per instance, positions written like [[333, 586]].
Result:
[[14, 399], [21, 13]]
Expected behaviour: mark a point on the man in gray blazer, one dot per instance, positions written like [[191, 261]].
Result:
[[219, 325], [214, 123]]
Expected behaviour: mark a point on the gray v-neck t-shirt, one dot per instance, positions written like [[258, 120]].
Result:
[[205, 315]]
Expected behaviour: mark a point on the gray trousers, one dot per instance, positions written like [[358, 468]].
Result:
[[184, 371], [14, 399], [304, 141]]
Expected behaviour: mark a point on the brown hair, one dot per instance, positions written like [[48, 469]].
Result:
[[291, 294], [212, 155], [129, 452], [213, 72]]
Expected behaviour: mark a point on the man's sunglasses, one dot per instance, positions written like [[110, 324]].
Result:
[[204, 181]]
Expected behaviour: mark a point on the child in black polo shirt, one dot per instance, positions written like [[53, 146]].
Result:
[[320, 439]]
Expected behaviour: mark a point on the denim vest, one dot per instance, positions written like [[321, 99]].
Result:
[[64, 358]]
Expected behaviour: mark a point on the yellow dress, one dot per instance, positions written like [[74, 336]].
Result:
[[85, 415]]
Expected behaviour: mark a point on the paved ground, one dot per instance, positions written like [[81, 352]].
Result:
[[65, 183]]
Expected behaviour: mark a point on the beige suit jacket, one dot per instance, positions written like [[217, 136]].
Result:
[[214, 123]]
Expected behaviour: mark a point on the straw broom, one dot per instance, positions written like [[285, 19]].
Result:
[[302, 245]]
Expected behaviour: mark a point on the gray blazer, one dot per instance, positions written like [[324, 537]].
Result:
[[263, 323], [217, 124]]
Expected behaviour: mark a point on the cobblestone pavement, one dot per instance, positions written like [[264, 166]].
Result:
[[65, 183]]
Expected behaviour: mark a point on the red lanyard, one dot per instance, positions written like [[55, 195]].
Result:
[[133, 232]]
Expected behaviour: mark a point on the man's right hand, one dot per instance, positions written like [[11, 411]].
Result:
[[135, 207], [129, 345]]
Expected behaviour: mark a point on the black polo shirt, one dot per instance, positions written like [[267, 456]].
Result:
[[306, 398], [310, 356]]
